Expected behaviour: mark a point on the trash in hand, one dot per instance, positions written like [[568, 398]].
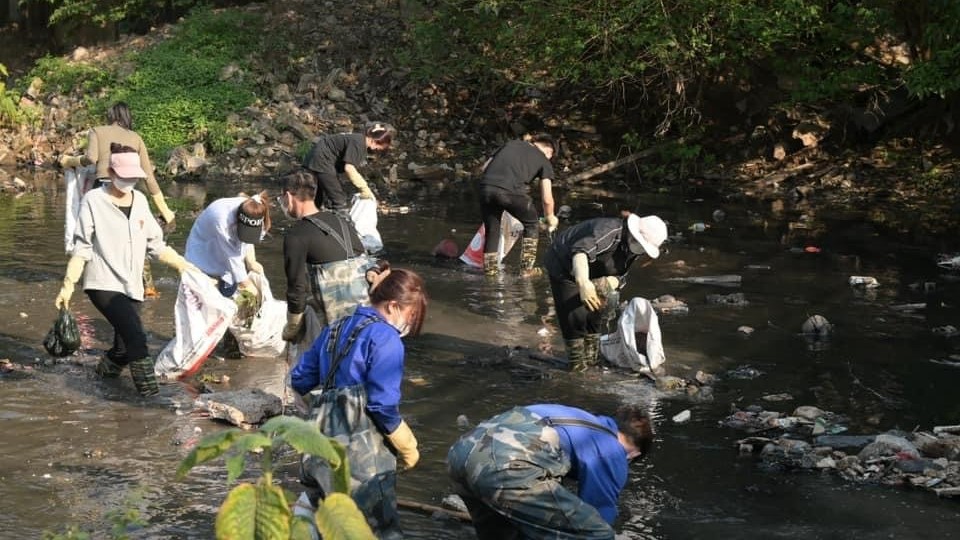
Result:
[[64, 337]]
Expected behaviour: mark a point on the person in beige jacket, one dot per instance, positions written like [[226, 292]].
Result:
[[119, 130]]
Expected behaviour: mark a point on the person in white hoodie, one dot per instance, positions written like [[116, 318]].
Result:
[[116, 232]]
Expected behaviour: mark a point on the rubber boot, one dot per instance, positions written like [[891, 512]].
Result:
[[491, 264], [591, 349], [575, 354], [107, 369], [528, 257], [144, 377]]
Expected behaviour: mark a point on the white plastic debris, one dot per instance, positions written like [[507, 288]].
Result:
[[682, 416], [868, 282]]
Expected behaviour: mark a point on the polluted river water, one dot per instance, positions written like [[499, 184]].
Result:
[[78, 451]]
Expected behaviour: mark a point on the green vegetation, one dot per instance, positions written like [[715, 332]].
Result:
[[669, 52], [180, 91], [263, 510], [122, 521]]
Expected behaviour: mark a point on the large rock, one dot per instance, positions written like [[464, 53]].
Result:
[[246, 408]]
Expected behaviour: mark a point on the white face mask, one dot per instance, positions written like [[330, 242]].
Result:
[[403, 327], [125, 186]]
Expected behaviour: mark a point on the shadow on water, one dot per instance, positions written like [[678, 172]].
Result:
[[76, 447]]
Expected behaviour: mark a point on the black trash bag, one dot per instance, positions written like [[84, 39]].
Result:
[[64, 338]]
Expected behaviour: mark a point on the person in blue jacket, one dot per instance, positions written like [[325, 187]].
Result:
[[351, 378], [509, 470]]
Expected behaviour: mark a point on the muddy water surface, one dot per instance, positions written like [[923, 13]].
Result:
[[76, 450]]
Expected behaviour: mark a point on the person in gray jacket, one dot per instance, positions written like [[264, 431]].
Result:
[[116, 231]]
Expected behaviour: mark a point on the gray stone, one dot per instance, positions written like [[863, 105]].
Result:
[[245, 408], [844, 441], [808, 412]]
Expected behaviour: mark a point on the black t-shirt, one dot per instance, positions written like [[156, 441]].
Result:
[[304, 243], [332, 152], [604, 240], [516, 164]]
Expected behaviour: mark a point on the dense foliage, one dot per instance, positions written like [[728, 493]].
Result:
[[181, 90], [669, 51]]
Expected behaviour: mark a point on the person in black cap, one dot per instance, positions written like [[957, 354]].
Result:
[[222, 239], [343, 153]]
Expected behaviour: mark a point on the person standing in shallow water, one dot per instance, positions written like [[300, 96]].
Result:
[[510, 470], [595, 254], [351, 379], [115, 234], [119, 130], [344, 153], [503, 187]]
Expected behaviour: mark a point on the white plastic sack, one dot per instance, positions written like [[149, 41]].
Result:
[[363, 212], [620, 348], [511, 229], [78, 181], [264, 336], [202, 317]]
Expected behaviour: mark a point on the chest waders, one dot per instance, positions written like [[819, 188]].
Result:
[[338, 287], [341, 414], [509, 472]]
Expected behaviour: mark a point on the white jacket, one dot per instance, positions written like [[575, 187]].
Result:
[[115, 246]]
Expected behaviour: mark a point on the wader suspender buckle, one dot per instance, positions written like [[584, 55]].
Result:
[[562, 421]]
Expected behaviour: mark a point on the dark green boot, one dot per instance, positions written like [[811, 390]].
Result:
[[591, 349], [491, 264], [575, 354], [528, 257], [144, 377], [107, 369]]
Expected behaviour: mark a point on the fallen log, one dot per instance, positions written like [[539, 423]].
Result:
[[431, 509], [946, 429], [610, 165]]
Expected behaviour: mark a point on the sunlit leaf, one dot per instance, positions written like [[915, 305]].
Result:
[[338, 518], [210, 447], [257, 512]]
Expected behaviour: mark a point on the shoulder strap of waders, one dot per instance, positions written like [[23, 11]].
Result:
[[341, 239], [563, 421], [332, 344]]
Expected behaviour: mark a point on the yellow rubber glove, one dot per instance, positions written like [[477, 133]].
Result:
[[291, 332], [73, 275], [581, 274], [70, 162], [405, 444], [552, 222], [162, 207], [358, 182], [171, 258], [250, 261]]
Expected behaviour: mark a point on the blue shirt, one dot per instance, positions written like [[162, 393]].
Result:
[[597, 459], [375, 360]]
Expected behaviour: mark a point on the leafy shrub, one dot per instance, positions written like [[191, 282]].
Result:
[[262, 510], [179, 93], [61, 76]]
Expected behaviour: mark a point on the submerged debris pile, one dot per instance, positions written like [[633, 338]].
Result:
[[810, 438]]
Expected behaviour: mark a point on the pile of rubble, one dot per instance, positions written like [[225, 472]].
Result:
[[810, 438]]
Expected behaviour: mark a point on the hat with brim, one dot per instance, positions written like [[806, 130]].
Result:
[[249, 228], [127, 165], [649, 232]]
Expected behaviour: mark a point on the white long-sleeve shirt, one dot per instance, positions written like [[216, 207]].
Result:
[[113, 245], [213, 245]]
